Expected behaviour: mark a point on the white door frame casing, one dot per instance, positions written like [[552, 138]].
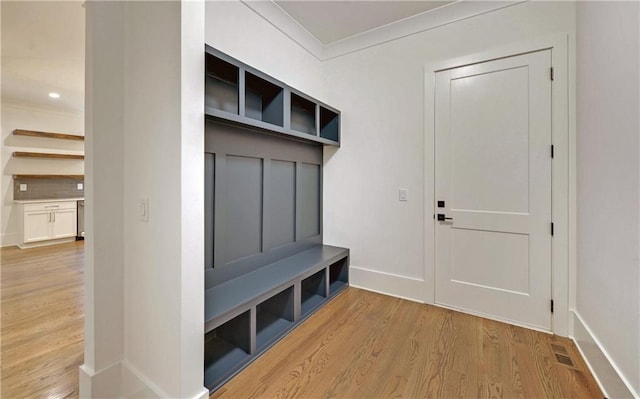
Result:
[[561, 205]]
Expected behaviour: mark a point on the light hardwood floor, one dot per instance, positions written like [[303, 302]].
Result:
[[41, 344], [366, 345], [361, 345]]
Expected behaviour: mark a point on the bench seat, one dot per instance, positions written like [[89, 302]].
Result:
[[248, 314]]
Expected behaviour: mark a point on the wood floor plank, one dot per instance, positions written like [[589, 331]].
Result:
[[42, 321], [366, 345], [360, 345]]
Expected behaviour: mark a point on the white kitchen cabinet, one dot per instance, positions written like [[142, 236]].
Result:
[[37, 226], [48, 222], [64, 223]]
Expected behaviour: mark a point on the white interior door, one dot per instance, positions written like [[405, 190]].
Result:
[[493, 172]]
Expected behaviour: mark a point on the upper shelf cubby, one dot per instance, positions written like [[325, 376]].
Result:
[[221, 85], [329, 124], [263, 100], [239, 94], [303, 115]]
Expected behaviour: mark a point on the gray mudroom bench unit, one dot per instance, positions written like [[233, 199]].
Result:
[[266, 268]]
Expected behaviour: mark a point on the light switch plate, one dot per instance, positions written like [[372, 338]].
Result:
[[403, 195], [143, 210], [80, 186], [23, 187]]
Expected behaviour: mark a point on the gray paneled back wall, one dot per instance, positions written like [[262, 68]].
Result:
[[263, 199]]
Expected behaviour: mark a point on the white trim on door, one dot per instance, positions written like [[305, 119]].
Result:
[[562, 203]]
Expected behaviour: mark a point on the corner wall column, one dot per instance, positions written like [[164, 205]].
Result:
[[144, 276]]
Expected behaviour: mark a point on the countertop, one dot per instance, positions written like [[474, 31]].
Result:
[[35, 201]]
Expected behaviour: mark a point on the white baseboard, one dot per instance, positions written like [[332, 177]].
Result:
[[609, 378], [103, 384], [203, 394], [123, 380], [45, 243], [11, 239], [408, 288], [137, 384]]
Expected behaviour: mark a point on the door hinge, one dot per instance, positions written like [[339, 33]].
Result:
[[552, 151], [552, 306], [551, 73], [551, 229]]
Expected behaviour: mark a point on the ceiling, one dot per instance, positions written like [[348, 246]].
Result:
[[43, 41], [330, 21], [42, 52]]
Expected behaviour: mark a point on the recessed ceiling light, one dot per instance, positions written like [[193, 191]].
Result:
[[54, 95]]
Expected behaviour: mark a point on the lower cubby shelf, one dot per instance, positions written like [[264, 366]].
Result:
[[338, 276], [273, 317], [314, 292], [268, 295], [221, 359], [227, 349]]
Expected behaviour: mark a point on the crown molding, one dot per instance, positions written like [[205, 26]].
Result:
[[425, 21], [447, 14], [279, 19]]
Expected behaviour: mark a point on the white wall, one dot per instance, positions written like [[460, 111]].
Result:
[[100, 375], [31, 118], [145, 69], [144, 286], [234, 29], [164, 163], [380, 91], [608, 130]]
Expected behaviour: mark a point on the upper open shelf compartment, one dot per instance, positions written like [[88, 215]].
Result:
[[221, 85], [263, 100], [303, 115], [241, 95]]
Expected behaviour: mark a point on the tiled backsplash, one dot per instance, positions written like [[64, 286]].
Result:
[[38, 188]]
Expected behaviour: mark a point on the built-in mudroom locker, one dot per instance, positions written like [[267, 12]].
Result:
[[266, 268]]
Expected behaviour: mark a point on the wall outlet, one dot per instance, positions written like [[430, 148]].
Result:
[[23, 187], [403, 195], [80, 186]]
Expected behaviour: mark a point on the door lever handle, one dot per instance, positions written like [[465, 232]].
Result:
[[442, 217]]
